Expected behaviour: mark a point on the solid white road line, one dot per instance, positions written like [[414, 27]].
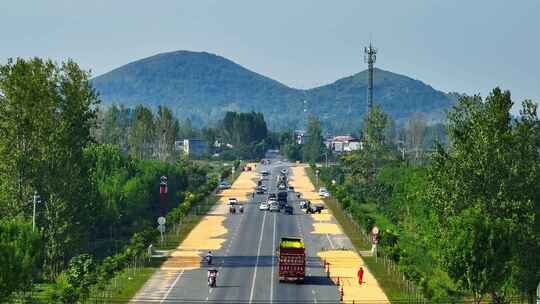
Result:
[[272, 276], [257, 261], [171, 287], [330, 241]]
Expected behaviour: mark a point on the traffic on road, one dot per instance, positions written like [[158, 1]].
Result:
[[269, 252]]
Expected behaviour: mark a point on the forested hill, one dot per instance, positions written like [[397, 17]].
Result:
[[204, 86]]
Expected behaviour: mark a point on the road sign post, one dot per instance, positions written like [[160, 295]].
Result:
[[374, 240], [161, 227]]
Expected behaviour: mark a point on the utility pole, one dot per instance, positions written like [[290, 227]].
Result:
[[35, 200], [370, 56]]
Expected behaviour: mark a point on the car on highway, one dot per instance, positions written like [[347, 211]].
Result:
[[272, 195], [263, 206], [288, 209], [265, 173], [314, 209], [224, 185], [282, 186], [323, 192], [264, 187], [232, 201], [274, 206], [259, 190], [291, 189], [283, 171]]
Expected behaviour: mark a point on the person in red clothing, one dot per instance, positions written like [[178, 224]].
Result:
[[360, 275]]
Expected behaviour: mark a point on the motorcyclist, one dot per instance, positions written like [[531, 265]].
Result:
[[241, 209], [212, 277], [209, 257]]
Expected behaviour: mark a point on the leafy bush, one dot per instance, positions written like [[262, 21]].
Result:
[[19, 256]]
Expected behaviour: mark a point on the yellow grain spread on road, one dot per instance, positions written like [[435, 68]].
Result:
[[324, 216], [326, 228], [343, 263], [210, 233]]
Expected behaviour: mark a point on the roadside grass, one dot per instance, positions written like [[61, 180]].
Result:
[[391, 283], [128, 282]]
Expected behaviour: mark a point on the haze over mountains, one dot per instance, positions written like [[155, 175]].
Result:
[[202, 86]]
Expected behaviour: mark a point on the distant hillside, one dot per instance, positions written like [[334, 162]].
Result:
[[400, 96], [203, 86]]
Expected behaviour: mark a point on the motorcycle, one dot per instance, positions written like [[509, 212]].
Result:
[[241, 209], [212, 274]]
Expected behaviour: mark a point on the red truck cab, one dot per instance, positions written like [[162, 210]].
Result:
[[292, 259]]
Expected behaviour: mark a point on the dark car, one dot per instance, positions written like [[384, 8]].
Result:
[[259, 190], [272, 195], [314, 209], [288, 209]]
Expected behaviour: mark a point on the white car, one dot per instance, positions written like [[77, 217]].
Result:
[[274, 206], [263, 206], [233, 201], [323, 192]]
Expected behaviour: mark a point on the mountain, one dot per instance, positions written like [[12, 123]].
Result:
[[202, 86]]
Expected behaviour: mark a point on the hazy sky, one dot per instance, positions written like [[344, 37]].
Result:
[[463, 46]]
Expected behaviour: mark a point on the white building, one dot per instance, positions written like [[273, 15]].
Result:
[[344, 143], [191, 146]]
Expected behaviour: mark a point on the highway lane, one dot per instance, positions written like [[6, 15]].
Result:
[[247, 261]]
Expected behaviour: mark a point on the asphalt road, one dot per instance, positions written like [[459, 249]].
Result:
[[247, 262]]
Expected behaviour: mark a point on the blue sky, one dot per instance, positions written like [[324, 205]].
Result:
[[463, 46]]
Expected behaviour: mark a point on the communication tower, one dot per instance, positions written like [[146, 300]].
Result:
[[370, 56]]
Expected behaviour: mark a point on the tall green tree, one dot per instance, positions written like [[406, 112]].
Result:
[[142, 134], [416, 130], [483, 192], [115, 126], [46, 114], [374, 126], [166, 130], [362, 165], [314, 146]]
